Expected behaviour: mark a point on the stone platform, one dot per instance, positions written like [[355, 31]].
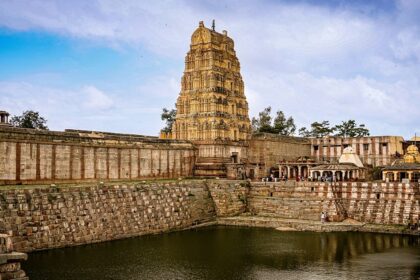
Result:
[[283, 224]]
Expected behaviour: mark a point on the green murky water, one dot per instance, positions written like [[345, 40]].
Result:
[[235, 253]]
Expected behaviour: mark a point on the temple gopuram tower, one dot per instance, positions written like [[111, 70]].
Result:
[[212, 110]]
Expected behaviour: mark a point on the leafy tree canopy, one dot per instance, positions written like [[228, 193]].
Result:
[[345, 129], [29, 119], [263, 122], [169, 117], [351, 129], [283, 125], [318, 129], [280, 125]]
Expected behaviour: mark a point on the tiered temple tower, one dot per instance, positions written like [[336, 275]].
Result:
[[212, 110], [212, 103]]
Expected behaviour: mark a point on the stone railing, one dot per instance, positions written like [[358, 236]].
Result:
[[10, 268]]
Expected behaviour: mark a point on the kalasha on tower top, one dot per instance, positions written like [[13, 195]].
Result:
[[212, 104]]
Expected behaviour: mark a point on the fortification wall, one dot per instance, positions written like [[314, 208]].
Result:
[[32, 156], [378, 203]]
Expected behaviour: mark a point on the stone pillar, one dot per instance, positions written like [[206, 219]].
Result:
[[410, 175], [343, 173], [288, 172], [299, 173], [395, 176], [384, 173]]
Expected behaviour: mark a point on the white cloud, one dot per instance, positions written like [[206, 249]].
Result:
[[313, 62], [89, 107], [61, 107], [407, 44], [386, 108], [96, 99], [113, 21]]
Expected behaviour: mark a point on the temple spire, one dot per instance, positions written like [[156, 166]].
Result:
[[213, 25], [211, 105]]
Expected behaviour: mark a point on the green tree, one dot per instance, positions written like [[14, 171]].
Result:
[[280, 125], [362, 131], [169, 117], [318, 129], [321, 129], [304, 132], [29, 119], [263, 122], [284, 126], [351, 129]]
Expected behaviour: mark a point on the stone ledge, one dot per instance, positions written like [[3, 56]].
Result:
[[315, 226], [12, 257]]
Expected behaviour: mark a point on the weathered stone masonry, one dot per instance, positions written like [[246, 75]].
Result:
[[45, 218], [33, 156], [51, 217], [229, 197], [376, 203], [10, 261]]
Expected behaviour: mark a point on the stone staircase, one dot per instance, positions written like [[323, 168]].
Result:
[[211, 167]]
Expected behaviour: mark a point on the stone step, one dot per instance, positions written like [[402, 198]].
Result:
[[213, 160]]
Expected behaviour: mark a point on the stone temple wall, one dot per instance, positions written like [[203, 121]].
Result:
[[266, 150], [32, 156], [377, 203]]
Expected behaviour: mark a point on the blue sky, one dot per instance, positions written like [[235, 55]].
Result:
[[113, 65]]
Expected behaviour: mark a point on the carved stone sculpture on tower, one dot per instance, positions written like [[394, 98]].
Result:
[[212, 104]]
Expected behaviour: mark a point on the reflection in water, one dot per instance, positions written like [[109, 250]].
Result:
[[235, 253]]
